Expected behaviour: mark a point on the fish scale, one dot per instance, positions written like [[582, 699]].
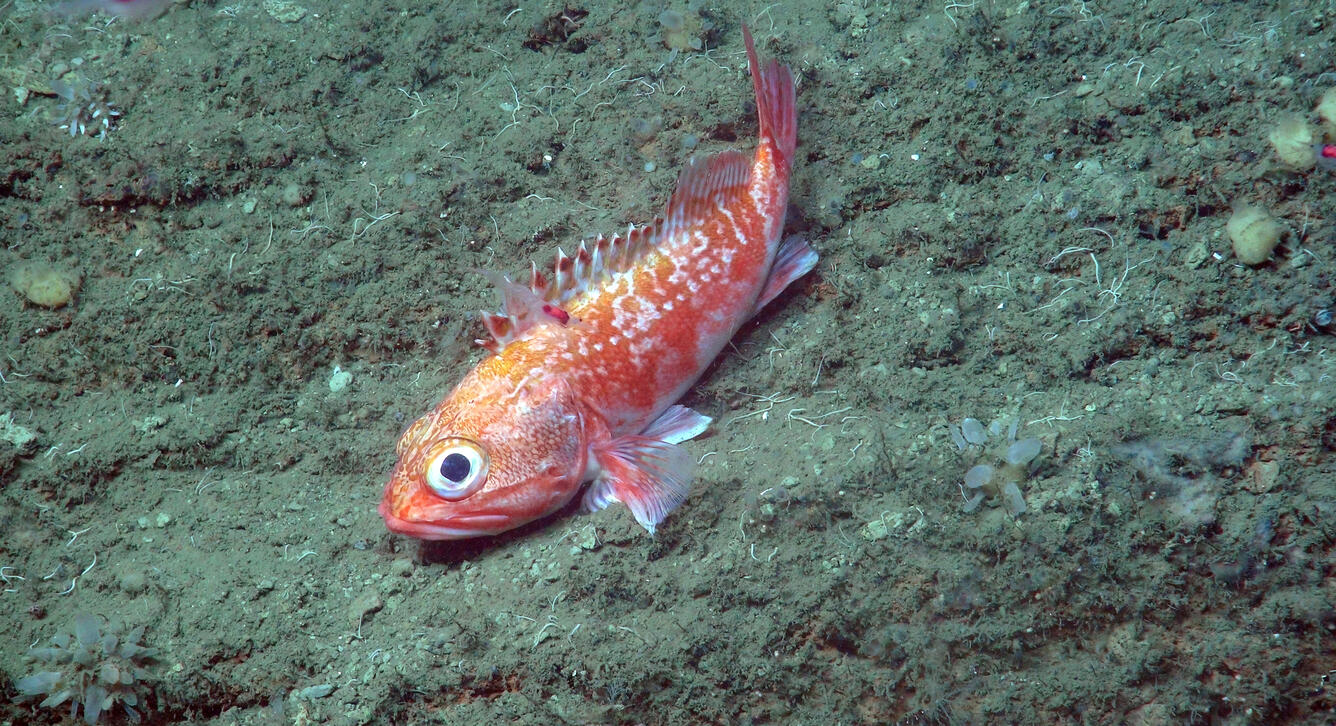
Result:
[[587, 360]]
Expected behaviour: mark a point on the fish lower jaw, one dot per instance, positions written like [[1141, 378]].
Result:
[[482, 525]]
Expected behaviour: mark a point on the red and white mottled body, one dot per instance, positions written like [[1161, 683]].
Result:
[[587, 364]]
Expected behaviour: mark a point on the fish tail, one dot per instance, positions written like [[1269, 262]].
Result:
[[774, 100]]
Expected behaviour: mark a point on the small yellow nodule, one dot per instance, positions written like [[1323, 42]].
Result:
[[1293, 141], [42, 284], [1254, 233], [1326, 110]]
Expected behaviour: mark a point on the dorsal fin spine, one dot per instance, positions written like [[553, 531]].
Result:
[[596, 257], [561, 273], [538, 282], [584, 265], [499, 327]]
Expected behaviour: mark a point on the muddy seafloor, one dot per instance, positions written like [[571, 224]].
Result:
[[1020, 209]]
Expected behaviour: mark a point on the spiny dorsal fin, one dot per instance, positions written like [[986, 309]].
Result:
[[704, 185], [521, 309], [538, 282], [593, 260]]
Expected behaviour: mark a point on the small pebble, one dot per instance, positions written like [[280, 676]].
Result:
[[134, 583], [292, 195], [312, 692], [339, 380], [365, 604], [1014, 500]]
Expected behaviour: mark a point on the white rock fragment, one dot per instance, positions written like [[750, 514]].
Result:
[[15, 434], [874, 530], [888, 522], [311, 693], [1013, 499], [339, 380], [284, 11]]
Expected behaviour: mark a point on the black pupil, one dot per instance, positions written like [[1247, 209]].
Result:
[[455, 467]]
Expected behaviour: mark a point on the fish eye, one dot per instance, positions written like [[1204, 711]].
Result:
[[456, 468]]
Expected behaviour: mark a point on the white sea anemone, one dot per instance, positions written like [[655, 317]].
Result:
[[92, 665], [1002, 481]]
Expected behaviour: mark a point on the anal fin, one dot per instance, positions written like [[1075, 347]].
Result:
[[795, 259]]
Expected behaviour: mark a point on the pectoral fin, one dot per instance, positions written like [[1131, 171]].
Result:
[[677, 424], [650, 476]]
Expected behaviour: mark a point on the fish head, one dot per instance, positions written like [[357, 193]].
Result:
[[491, 457]]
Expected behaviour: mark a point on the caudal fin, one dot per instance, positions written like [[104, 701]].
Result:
[[774, 100]]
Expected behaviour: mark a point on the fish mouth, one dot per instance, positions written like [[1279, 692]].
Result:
[[457, 527]]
